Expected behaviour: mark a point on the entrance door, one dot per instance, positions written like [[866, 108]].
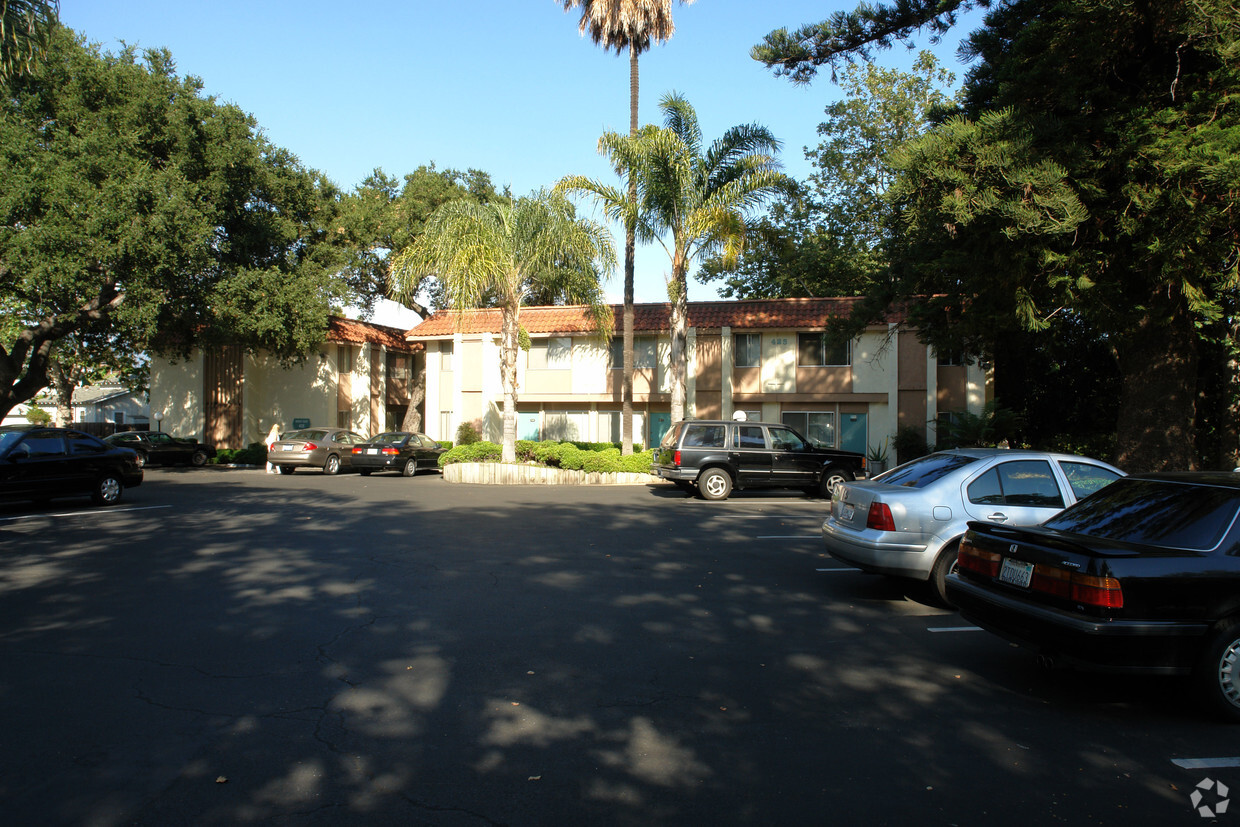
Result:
[[659, 424], [853, 432], [527, 426]]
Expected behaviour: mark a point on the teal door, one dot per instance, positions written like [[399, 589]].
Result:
[[853, 432], [659, 423], [527, 426]]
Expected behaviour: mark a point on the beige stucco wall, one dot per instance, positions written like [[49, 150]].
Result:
[[779, 362], [280, 395], [176, 392]]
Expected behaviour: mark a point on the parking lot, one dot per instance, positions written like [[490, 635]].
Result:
[[232, 647]]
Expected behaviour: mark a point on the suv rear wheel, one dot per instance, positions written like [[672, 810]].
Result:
[[715, 484]]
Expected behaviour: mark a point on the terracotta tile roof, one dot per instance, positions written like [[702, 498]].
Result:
[[752, 314], [365, 333]]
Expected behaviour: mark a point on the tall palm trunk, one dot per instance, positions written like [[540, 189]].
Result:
[[626, 387], [508, 373], [678, 358]]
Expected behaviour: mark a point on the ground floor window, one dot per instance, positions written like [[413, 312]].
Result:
[[817, 426]]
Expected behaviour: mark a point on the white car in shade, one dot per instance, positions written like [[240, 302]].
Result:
[[907, 522]]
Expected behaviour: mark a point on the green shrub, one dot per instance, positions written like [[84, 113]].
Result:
[[467, 434], [910, 443], [38, 416], [253, 454], [472, 452]]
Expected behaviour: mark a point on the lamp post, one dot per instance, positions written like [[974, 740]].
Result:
[[158, 417]]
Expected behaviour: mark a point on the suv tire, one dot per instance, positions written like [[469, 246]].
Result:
[[715, 484]]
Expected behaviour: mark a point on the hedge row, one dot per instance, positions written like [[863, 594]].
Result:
[[600, 458]]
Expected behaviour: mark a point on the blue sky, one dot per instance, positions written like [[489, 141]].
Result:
[[504, 86]]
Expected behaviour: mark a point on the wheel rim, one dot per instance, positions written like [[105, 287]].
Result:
[[411, 467], [110, 489], [333, 464], [1229, 673], [715, 485]]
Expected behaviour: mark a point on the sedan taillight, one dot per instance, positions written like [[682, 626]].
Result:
[[310, 446], [1088, 589], [879, 518], [972, 558]]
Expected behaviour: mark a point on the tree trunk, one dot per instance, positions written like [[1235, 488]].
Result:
[[417, 393], [62, 382], [630, 247], [508, 369], [1158, 366], [678, 361]]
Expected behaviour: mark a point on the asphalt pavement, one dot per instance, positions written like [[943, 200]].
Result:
[[232, 647]]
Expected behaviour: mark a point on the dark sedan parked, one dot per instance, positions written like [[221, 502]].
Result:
[[397, 451], [1143, 576], [38, 463], [158, 448]]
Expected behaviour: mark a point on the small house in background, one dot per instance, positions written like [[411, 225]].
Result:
[[359, 378], [113, 403], [770, 359]]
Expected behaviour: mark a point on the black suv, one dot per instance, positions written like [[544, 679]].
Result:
[[716, 456]]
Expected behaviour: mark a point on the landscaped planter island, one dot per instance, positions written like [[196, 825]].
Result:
[[500, 473]]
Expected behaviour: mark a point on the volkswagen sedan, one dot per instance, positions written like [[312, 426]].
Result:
[[908, 521]]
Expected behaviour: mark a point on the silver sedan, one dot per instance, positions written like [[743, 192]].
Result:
[[908, 521], [328, 448]]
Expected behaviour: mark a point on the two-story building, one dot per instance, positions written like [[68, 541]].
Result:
[[359, 378], [768, 358]]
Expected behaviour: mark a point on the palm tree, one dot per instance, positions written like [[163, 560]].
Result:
[[25, 26], [635, 25], [502, 252], [700, 197]]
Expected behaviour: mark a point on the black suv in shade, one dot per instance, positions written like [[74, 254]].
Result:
[[715, 456]]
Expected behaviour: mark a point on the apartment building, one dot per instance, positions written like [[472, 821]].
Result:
[[359, 378], [768, 358]]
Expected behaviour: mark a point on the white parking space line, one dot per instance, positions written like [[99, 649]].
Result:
[[1205, 763], [954, 629], [842, 569], [789, 536], [96, 513]]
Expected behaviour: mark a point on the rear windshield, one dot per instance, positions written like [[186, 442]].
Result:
[[390, 439], [921, 472], [304, 435], [1161, 513]]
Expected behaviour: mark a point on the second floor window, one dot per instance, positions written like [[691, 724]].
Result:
[[644, 352], [445, 356], [551, 354], [818, 350], [747, 350]]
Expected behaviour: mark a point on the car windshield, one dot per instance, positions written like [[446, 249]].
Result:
[[7, 438], [390, 439], [1162, 513], [922, 472]]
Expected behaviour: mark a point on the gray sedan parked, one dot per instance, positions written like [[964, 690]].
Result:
[[908, 521], [328, 448]]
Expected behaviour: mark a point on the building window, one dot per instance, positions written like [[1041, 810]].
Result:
[[118, 417], [950, 358], [747, 350], [551, 354], [818, 350], [344, 359], [446, 356], [445, 425], [818, 427], [645, 348]]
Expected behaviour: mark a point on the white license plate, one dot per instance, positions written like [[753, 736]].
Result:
[[1016, 573], [846, 514], [374, 450], [288, 447]]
